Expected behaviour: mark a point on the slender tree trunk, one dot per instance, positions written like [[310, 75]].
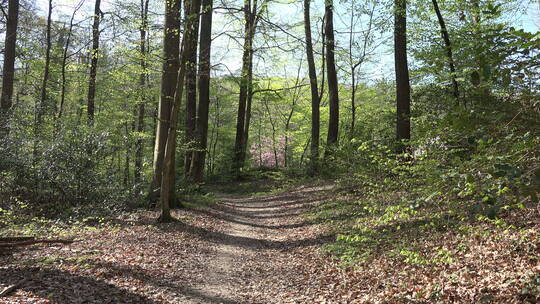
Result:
[[9, 67], [315, 98], [42, 106], [215, 136], [248, 108], [139, 145], [191, 88], [201, 130], [168, 179], [60, 109], [403, 89], [353, 73], [273, 124], [448, 45], [295, 97], [127, 158], [94, 55], [43, 102], [171, 64], [333, 101]]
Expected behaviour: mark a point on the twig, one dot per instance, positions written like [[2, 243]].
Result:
[[16, 238], [31, 242], [11, 288]]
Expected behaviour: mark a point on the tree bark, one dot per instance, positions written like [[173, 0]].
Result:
[[42, 107], [60, 109], [94, 55], [403, 89], [245, 84], [333, 101], [201, 130], [168, 179], [171, 64], [191, 87], [9, 67], [315, 98], [139, 145], [448, 46]]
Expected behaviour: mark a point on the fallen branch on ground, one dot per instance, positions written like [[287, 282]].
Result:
[[16, 238], [32, 242], [11, 288]]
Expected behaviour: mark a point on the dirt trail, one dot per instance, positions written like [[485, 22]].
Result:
[[257, 232], [239, 250]]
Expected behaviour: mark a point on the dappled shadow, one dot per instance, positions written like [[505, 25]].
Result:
[[260, 214], [172, 284], [245, 242], [64, 287], [232, 219]]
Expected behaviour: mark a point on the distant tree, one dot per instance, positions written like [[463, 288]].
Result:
[[43, 104], [139, 146], [448, 46], [403, 88], [251, 11], [65, 55], [94, 55], [9, 67]]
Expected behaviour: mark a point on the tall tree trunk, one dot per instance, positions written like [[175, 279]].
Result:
[[191, 87], [43, 105], [201, 131], [333, 100], [315, 98], [139, 145], [249, 104], [171, 64], [60, 109], [245, 87], [448, 45], [94, 55], [9, 67], [403, 89], [168, 179]]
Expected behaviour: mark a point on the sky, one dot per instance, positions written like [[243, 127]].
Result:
[[228, 52]]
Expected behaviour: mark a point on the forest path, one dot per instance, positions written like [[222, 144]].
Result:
[[257, 234], [242, 249]]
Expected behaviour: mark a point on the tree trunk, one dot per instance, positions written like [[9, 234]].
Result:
[[240, 140], [94, 54], [171, 64], [249, 104], [333, 101], [9, 67], [139, 145], [403, 89], [42, 106], [201, 130], [191, 87], [60, 109], [315, 98], [168, 179], [448, 45]]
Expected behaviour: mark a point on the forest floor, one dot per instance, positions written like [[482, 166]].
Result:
[[238, 250], [271, 247]]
